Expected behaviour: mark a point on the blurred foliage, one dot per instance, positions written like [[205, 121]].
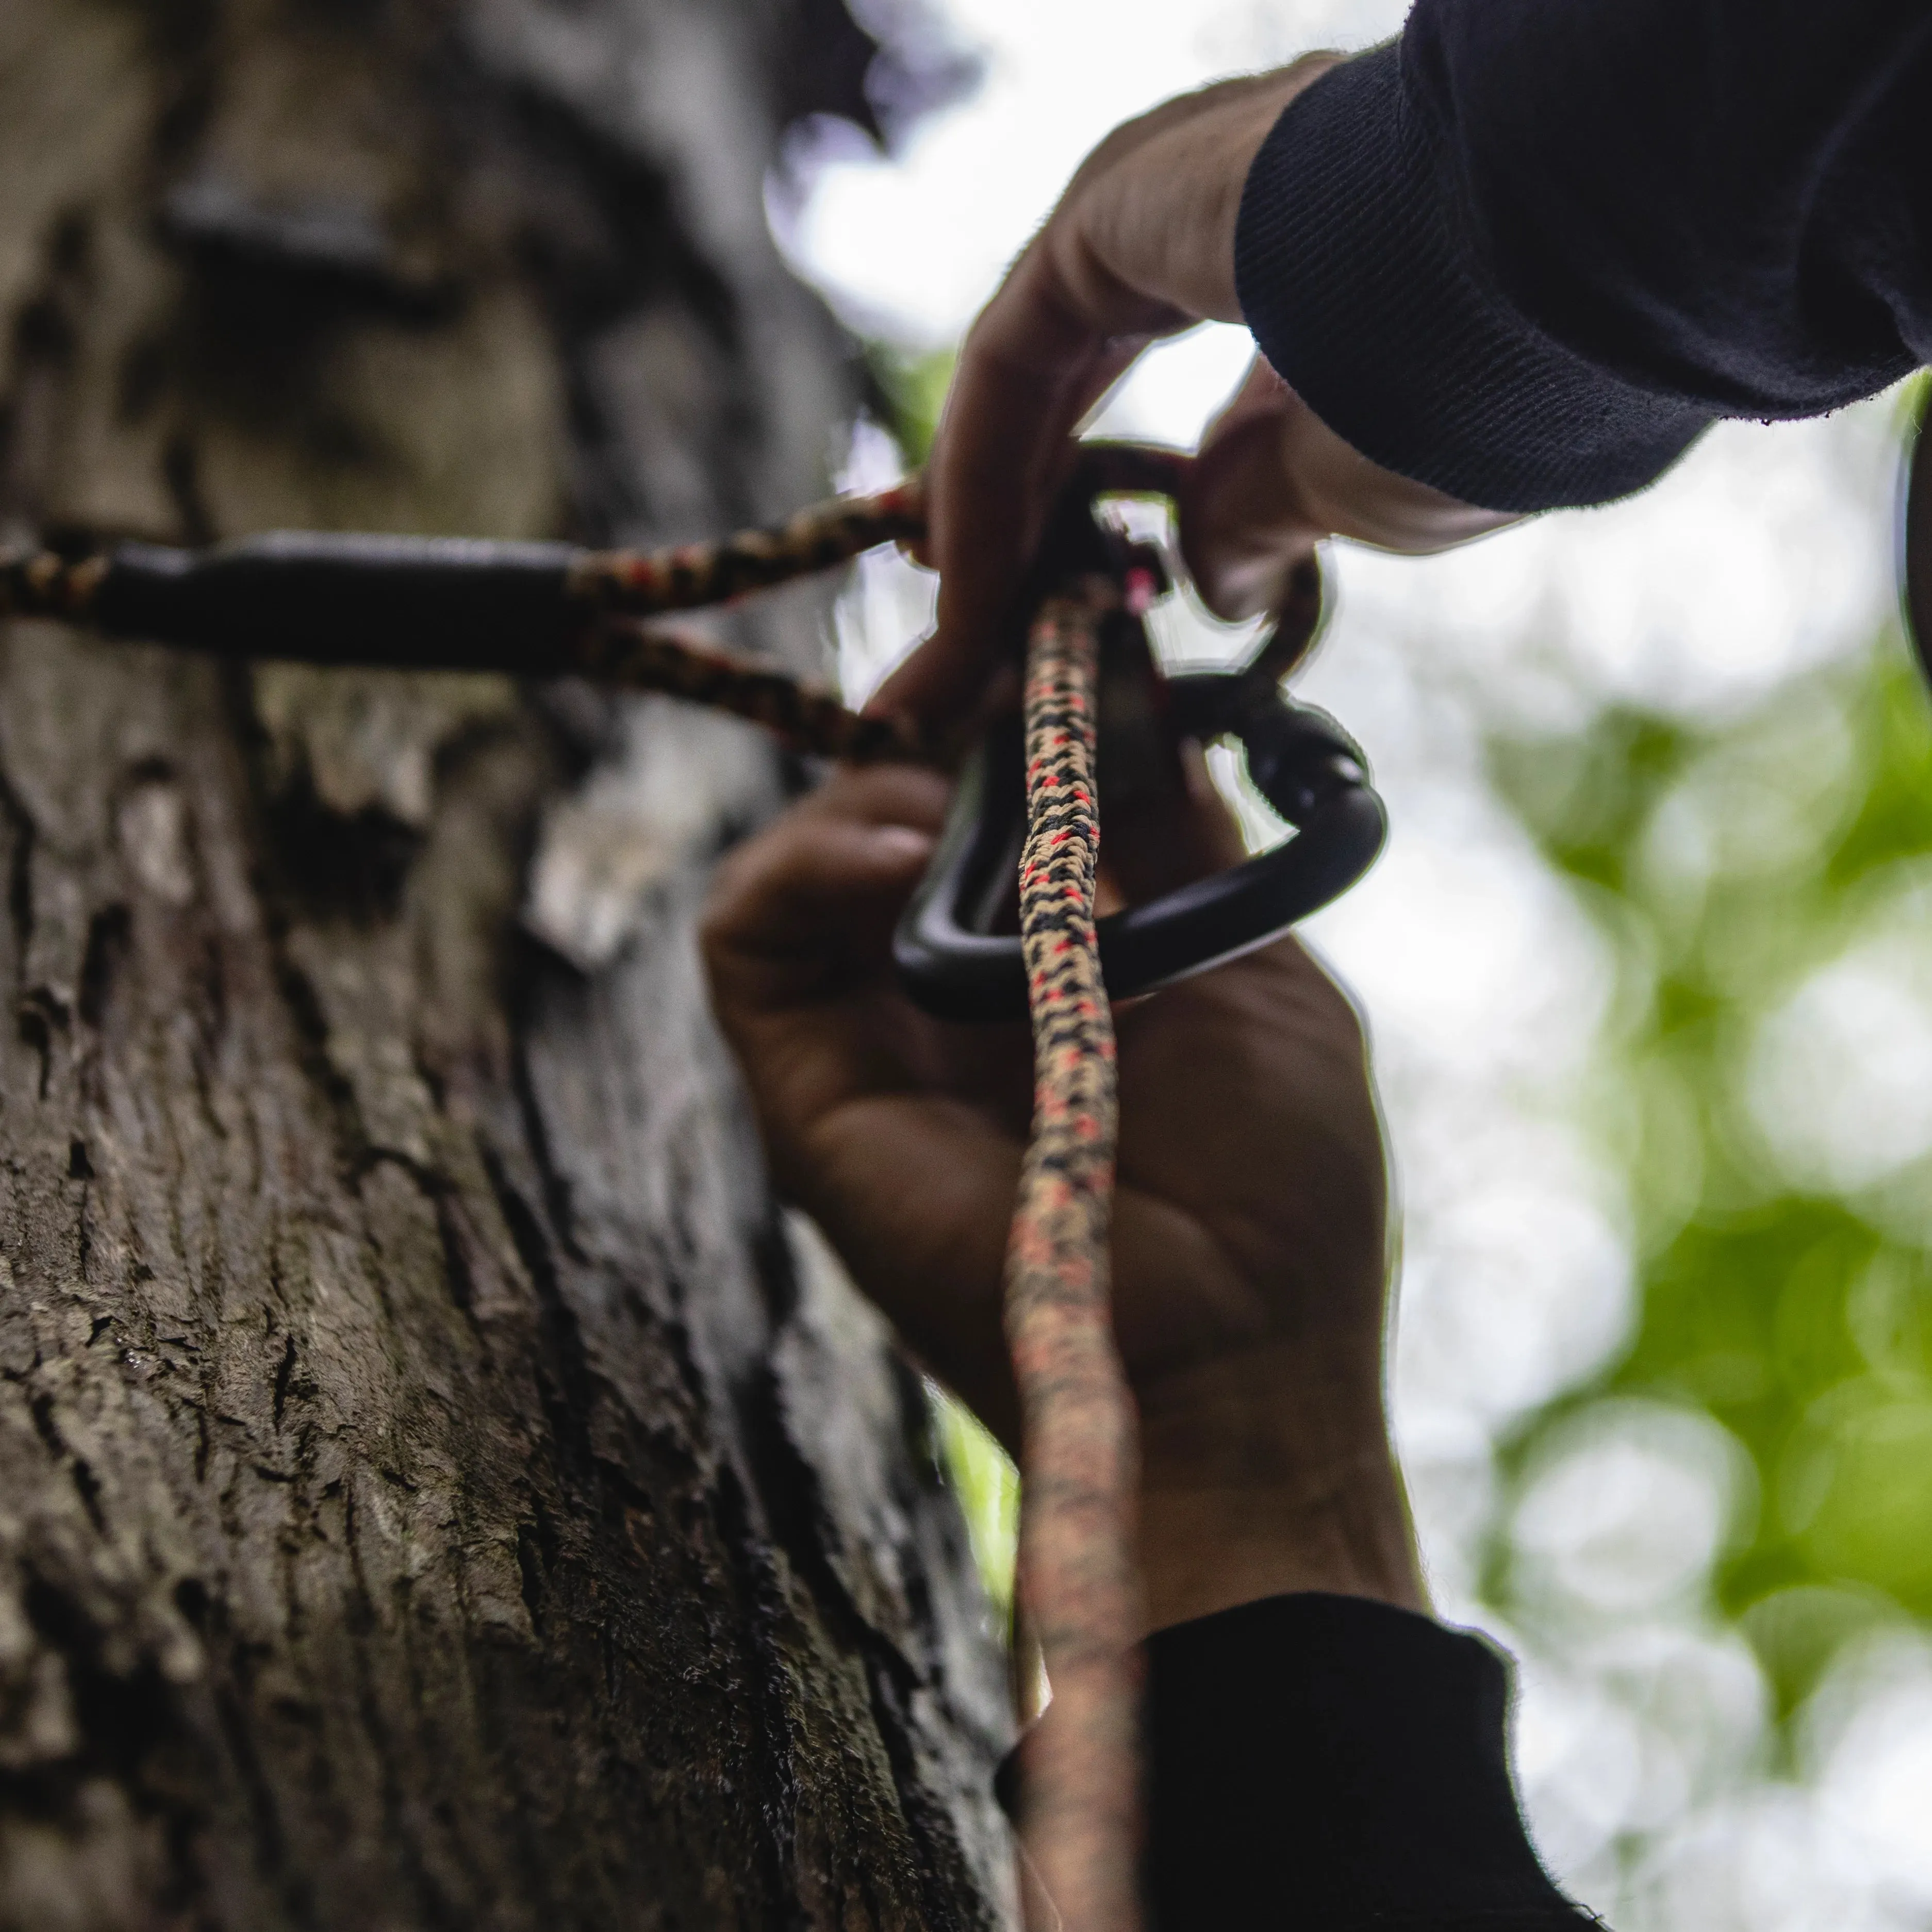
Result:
[[1726, 863], [910, 387], [989, 1489]]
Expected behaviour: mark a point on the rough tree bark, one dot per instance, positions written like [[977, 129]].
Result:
[[436, 1488]]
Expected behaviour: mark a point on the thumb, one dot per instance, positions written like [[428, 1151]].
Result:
[[811, 900], [1243, 526], [1273, 479]]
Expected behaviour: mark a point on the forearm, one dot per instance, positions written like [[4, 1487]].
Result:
[[1526, 254]]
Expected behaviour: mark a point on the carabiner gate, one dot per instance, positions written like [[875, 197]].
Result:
[[957, 965]]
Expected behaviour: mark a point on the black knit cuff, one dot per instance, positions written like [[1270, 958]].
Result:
[[1365, 289], [1320, 1763], [1328, 1762]]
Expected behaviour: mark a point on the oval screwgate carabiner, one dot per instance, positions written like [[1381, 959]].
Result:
[[957, 967]]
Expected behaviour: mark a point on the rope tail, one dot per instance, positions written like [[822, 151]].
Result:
[[1077, 1567]]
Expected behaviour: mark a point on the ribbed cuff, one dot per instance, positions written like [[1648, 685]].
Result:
[[1321, 1763], [1366, 291], [1328, 1761]]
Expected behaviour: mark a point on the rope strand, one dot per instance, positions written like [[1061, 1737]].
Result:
[[804, 716], [645, 583]]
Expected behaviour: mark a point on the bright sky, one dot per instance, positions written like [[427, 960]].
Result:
[[1765, 552], [972, 185]]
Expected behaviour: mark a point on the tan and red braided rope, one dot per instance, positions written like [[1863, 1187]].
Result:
[[801, 714], [646, 583], [1079, 1457]]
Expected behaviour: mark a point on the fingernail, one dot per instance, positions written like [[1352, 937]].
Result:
[[901, 845]]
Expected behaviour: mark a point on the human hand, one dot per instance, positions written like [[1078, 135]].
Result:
[[1140, 246], [1248, 1248]]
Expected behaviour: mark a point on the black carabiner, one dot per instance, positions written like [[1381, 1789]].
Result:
[[954, 965]]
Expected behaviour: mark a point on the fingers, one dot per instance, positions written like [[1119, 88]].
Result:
[[1039, 355], [1272, 479], [1154, 842], [1140, 246], [954, 706], [910, 1177], [1244, 525], [815, 895]]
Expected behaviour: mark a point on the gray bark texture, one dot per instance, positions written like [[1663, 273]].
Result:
[[437, 1488]]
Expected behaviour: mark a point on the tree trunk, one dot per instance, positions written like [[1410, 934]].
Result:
[[436, 1488]]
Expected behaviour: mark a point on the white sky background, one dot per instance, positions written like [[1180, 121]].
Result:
[[1765, 553]]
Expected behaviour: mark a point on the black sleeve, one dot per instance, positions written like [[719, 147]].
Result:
[[1327, 1764], [1528, 251]]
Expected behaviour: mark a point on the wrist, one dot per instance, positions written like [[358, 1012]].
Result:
[[1143, 239], [1345, 1533], [1231, 137], [1267, 1476]]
